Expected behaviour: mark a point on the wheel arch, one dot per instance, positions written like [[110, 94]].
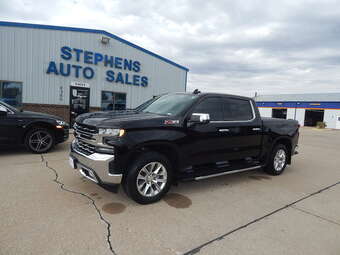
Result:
[[37, 124], [287, 142], [165, 148]]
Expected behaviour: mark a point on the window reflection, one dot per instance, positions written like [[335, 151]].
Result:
[[11, 93], [113, 101]]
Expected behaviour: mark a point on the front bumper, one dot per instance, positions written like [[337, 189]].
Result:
[[95, 167], [62, 134]]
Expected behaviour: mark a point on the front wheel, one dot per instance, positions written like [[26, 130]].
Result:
[[278, 160], [39, 140], [149, 178]]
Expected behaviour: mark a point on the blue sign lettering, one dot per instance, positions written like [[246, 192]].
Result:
[[95, 58]]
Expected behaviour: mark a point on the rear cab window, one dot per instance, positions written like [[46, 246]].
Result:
[[236, 109]]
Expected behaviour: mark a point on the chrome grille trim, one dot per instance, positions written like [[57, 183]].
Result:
[[85, 128], [85, 147], [86, 132]]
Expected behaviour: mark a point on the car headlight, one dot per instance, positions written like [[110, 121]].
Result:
[[111, 131], [61, 122]]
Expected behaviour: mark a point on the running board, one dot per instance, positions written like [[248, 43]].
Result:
[[225, 173]]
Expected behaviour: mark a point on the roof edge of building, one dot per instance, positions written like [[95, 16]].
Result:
[[88, 30]]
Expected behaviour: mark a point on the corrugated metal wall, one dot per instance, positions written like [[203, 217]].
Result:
[[26, 52]]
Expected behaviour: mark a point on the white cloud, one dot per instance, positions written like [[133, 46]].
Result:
[[229, 46]]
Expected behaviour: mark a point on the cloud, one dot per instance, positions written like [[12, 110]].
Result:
[[229, 46]]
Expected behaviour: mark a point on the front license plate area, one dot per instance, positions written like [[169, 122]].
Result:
[[88, 174]]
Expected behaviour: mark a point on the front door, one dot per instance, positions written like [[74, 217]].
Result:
[[79, 102], [205, 144]]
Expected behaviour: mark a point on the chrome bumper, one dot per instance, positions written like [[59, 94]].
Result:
[[96, 163]]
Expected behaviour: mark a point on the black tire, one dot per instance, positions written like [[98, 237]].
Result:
[[145, 161], [47, 140], [276, 166]]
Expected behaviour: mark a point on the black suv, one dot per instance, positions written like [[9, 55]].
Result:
[[39, 132], [180, 136]]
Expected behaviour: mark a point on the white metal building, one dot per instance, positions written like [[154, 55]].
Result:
[[307, 109], [61, 70]]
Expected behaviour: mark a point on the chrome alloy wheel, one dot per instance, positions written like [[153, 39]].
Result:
[[40, 141], [279, 160], [151, 179]]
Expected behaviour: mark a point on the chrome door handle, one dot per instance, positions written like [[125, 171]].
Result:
[[256, 129], [224, 130]]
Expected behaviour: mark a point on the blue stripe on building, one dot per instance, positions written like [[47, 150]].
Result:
[[309, 105]]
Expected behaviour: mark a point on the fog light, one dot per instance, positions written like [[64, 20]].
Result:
[[105, 150]]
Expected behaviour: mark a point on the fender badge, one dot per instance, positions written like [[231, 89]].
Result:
[[171, 122]]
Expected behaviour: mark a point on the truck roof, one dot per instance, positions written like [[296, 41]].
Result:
[[213, 94]]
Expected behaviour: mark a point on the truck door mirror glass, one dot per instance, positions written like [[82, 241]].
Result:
[[200, 118], [3, 111]]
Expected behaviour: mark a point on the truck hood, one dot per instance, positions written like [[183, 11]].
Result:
[[123, 119]]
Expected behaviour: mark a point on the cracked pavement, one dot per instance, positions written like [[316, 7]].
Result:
[[48, 208]]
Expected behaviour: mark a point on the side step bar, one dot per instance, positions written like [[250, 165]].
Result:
[[225, 173]]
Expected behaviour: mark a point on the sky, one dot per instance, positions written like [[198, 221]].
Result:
[[236, 47]]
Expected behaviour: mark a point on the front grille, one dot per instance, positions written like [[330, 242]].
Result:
[[84, 147], [84, 131]]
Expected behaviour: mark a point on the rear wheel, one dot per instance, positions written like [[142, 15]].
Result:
[[149, 178], [39, 140], [278, 160]]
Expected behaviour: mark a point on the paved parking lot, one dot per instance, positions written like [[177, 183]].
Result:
[[48, 208]]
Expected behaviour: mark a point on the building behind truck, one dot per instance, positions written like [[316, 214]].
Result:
[[67, 71], [307, 109]]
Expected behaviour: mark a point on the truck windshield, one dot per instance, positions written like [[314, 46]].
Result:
[[145, 104], [172, 104]]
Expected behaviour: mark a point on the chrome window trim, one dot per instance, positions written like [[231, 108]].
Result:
[[231, 121]]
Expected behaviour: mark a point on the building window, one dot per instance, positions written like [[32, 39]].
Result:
[[113, 101], [11, 93]]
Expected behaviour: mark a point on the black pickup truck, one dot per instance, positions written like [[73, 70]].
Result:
[[180, 136]]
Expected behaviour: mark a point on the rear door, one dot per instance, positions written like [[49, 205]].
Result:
[[242, 129]]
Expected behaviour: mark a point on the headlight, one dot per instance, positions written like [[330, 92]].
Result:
[[111, 131], [61, 122]]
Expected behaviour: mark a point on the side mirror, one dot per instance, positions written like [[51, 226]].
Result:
[[3, 111], [199, 118]]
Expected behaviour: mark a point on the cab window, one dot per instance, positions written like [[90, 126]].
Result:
[[212, 106], [235, 109]]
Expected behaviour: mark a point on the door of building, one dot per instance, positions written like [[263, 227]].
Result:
[[79, 102], [337, 126], [312, 117]]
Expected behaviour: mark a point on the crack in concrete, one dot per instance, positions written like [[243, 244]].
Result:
[[198, 248], [62, 186], [315, 215]]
